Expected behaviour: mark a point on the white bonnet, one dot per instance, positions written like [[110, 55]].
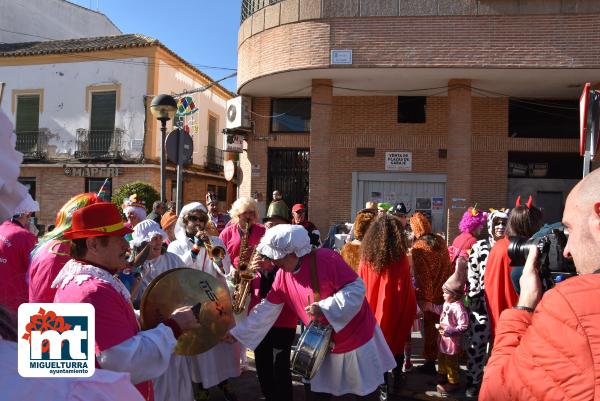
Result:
[[283, 240], [145, 231]]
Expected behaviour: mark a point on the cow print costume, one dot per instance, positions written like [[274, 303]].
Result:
[[478, 334]]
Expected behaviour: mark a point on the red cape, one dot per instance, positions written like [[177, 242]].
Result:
[[391, 296]]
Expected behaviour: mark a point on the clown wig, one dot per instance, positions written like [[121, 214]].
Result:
[[63, 218], [472, 220]]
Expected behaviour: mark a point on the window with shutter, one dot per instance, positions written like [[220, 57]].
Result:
[[27, 124], [102, 122], [212, 131]]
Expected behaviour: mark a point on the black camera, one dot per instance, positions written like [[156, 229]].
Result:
[[550, 242]]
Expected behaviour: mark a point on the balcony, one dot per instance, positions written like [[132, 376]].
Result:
[[99, 144], [249, 7], [33, 144], [214, 159]]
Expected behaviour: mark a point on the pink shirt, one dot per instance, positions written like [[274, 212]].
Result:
[[233, 242], [44, 267], [454, 319], [115, 319], [16, 243], [287, 318], [294, 289]]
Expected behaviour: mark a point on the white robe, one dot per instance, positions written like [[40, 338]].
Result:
[[222, 361]]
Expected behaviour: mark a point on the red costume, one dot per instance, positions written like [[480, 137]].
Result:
[[499, 291], [391, 296]]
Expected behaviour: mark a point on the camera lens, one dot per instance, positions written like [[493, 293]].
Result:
[[518, 249]]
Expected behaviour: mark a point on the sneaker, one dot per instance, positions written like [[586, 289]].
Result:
[[407, 367], [228, 393], [444, 389], [202, 395], [428, 368], [472, 391]]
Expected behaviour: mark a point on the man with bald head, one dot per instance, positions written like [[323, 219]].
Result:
[[549, 347]]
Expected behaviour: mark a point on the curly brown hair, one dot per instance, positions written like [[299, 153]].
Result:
[[383, 243]]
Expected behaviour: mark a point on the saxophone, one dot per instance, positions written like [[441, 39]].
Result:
[[244, 275]]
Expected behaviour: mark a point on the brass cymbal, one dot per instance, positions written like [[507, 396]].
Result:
[[189, 287]]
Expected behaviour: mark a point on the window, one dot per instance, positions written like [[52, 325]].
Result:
[[29, 183], [544, 165], [95, 184], [211, 188], [542, 118], [411, 109], [102, 122], [290, 115], [27, 123], [213, 125], [222, 194]]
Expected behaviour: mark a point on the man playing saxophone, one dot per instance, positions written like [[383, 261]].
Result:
[[217, 365]]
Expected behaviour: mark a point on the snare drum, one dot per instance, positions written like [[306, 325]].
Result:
[[313, 345]]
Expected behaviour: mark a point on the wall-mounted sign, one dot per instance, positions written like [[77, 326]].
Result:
[[233, 143], [398, 161], [229, 169], [92, 171], [256, 170], [341, 57]]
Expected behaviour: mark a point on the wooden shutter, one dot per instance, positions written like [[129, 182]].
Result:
[[103, 111], [212, 131], [28, 113]]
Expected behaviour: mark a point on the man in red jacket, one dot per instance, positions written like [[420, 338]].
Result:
[[550, 348]]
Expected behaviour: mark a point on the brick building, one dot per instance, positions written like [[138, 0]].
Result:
[[436, 103], [81, 111]]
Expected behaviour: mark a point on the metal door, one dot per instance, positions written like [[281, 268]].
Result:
[[288, 172]]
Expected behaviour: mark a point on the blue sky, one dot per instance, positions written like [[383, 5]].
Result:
[[203, 32]]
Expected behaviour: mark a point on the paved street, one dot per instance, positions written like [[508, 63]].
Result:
[[417, 387]]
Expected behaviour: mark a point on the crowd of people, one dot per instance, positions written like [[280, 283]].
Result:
[[471, 300]]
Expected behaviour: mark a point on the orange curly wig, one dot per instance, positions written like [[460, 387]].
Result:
[[420, 225]]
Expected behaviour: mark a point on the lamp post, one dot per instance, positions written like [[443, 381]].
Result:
[[163, 107]]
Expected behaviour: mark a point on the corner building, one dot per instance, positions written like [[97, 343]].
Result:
[[477, 99]]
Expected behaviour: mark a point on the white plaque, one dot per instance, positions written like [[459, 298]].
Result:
[[341, 57], [398, 161]]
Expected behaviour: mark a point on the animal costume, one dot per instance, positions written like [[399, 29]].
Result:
[[351, 251]]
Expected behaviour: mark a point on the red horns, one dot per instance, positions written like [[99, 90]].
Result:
[[528, 204]]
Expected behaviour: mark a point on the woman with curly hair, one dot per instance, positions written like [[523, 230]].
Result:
[[385, 270], [431, 266]]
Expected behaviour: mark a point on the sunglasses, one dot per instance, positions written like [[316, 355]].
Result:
[[195, 219], [265, 258], [301, 211], [500, 223]]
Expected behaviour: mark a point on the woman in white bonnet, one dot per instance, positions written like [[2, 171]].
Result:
[[361, 355]]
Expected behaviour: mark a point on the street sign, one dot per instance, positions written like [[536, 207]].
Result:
[[229, 169], [172, 147]]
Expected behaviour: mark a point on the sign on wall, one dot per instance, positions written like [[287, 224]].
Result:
[[398, 161], [233, 143], [92, 171], [341, 57]]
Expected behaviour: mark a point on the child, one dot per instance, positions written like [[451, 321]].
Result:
[[454, 320]]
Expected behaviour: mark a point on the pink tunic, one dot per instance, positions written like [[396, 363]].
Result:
[[454, 319], [45, 265], [16, 243], [294, 289], [232, 240], [287, 318], [115, 319]]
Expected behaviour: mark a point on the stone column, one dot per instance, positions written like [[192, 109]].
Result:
[[459, 150], [320, 131]]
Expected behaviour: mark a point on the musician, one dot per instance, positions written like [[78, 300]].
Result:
[[218, 220], [217, 365], [99, 251], [361, 356]]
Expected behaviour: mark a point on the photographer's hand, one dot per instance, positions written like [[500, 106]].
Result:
[[531, 285]]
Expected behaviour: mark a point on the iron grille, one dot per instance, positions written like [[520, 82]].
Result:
[[99, 144], [33, 144], [288, 172], [214, 158], [249, 7]]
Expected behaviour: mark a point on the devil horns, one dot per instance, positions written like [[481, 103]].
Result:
[[528, 204]]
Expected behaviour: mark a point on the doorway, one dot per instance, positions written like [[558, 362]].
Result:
[[288, 173]]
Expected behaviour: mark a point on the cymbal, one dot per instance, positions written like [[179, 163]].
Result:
[[189, 287]]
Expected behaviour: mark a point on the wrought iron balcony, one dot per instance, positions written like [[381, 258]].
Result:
[[99, 144], [33, 144], [214, 159], [249, 7]]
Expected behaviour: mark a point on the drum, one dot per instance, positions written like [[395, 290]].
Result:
[[313, 345]]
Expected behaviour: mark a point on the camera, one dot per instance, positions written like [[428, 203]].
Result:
[[550, 241]]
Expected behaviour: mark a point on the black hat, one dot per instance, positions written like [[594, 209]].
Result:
[[400, 208]]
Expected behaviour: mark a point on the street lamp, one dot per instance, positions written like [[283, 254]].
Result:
[[163, 107]]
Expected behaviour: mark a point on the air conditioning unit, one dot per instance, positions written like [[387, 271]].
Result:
[[238, 113]]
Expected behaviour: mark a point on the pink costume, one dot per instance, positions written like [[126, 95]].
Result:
[[361, 355], [454, 319], [44, 267], [16, 243], [120, 345], [232, 240]]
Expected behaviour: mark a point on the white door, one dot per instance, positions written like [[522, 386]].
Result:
[[422, 192]]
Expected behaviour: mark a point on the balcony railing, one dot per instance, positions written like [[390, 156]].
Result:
[[99, 144], [249, 7], [214, 159], [33, 144]]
